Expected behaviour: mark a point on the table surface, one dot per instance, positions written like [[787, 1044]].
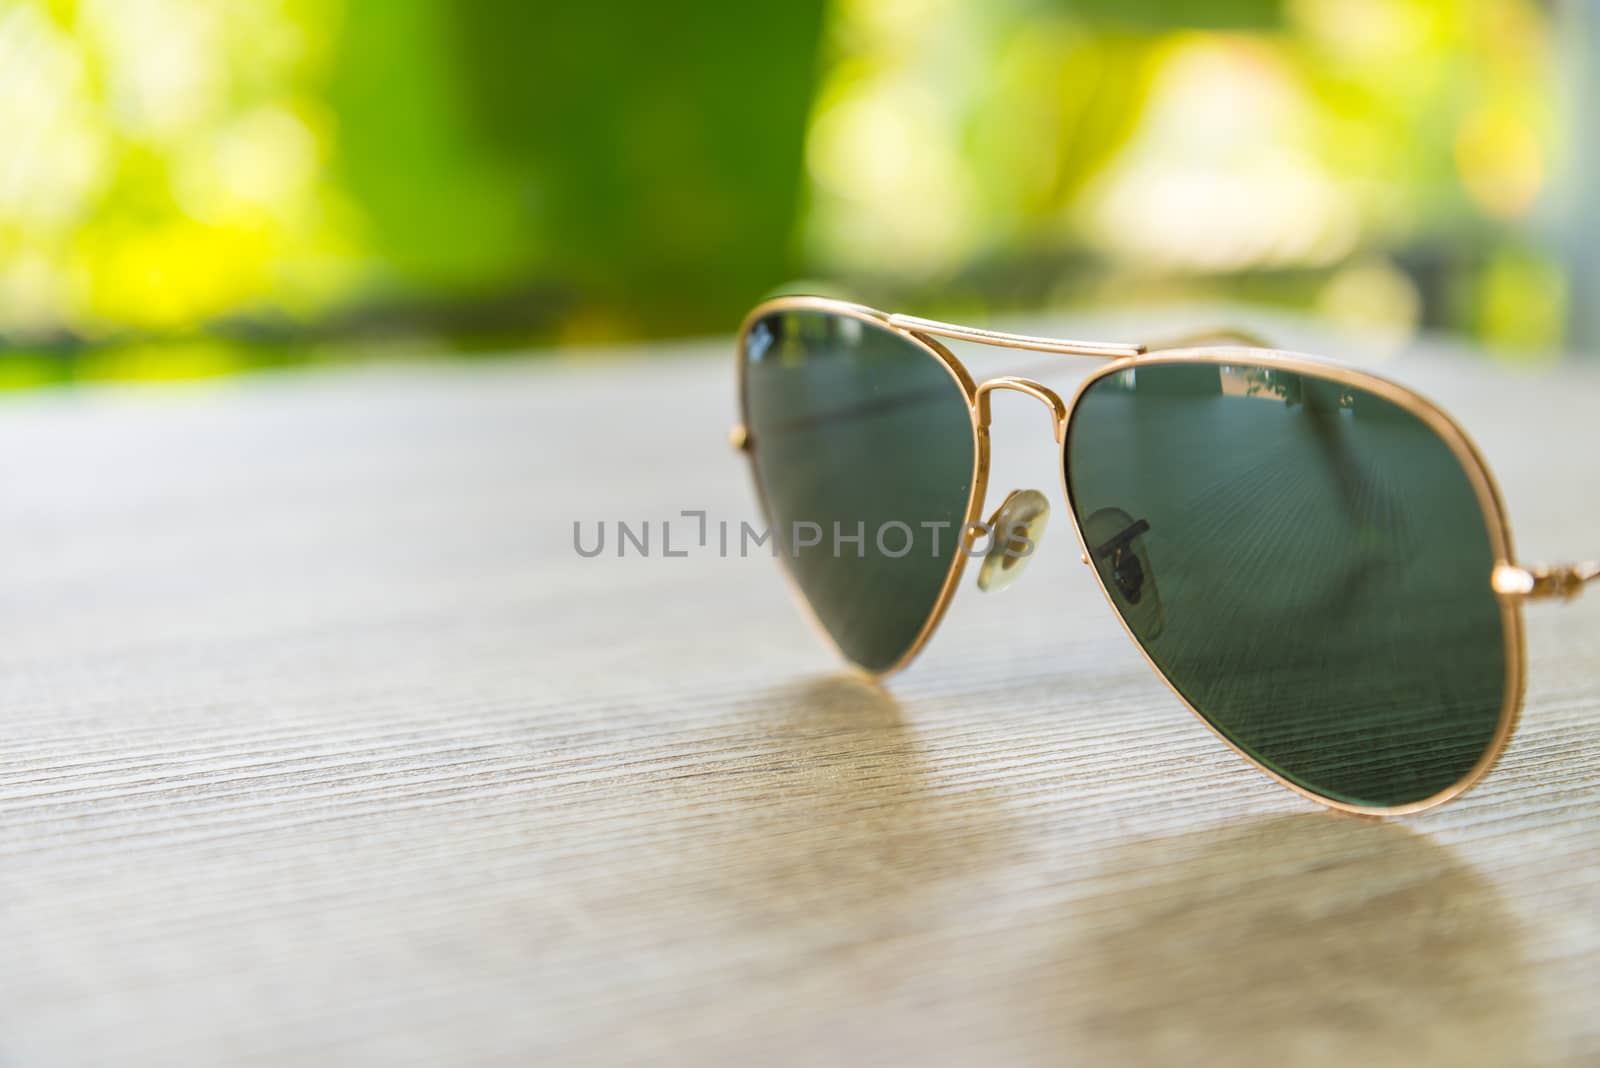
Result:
[[323, 745]]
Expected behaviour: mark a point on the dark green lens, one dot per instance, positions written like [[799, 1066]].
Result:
[[863, 447], [1306, 562]]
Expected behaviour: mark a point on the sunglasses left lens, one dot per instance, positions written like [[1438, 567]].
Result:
[[864, 454], [1305, 561]]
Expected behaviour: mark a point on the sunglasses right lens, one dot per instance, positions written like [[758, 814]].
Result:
[[1307, 563], [864, 452]]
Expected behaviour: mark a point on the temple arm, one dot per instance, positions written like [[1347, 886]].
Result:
[[1221, 335], [1544, 581]]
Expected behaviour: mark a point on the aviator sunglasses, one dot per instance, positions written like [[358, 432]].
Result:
[[1315, 560]]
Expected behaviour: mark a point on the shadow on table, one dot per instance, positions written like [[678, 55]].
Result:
[[896, 905], [1305, 940], [845, 819]]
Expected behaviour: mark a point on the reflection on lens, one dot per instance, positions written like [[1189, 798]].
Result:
[[1323, 566], [863, 447]]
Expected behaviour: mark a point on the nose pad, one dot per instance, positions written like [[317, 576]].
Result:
[[1117, 545], [1014, 533]]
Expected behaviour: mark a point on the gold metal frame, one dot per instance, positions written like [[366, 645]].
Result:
[[1512, 582]]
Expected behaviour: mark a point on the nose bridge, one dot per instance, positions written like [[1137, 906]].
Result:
[[1051, 399]]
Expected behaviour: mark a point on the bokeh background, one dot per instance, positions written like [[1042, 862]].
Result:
[[189, 188]]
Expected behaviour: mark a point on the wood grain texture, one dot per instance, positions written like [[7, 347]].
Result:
[[322, 745]]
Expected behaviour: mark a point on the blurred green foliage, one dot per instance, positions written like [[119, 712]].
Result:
[[644, 161], [193, 186]]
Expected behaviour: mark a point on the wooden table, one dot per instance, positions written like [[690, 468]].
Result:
[[323, 746]]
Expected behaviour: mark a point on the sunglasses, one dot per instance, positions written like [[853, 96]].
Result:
[[1315, 560]]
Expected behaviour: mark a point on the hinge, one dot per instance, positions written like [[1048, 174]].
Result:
[[1538, 582]]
